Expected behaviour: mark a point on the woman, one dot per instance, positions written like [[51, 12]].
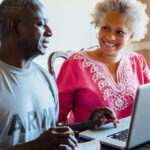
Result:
[[107, 76]]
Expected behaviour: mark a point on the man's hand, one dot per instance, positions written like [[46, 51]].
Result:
[[56, 139], [59, 138], [100, 116]]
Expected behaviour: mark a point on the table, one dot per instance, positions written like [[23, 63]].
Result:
[[141, 147], [145, 146]]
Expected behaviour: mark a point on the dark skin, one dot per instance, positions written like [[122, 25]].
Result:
[[52, 138], [97, 117], [19, 49]]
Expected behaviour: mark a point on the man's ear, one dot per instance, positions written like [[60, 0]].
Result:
[[13, 25]]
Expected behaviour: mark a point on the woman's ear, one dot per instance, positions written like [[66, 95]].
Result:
[[131, 36]]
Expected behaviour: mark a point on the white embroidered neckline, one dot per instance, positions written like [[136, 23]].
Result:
[[116, 92]]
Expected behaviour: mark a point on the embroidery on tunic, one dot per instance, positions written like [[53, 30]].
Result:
[[117, 92]]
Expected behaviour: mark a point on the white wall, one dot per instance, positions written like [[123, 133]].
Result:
[[70, 24]]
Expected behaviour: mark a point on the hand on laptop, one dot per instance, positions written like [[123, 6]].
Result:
[[100, 116]]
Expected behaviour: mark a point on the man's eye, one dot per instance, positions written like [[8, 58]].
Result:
[[41, 24], [106, 28]]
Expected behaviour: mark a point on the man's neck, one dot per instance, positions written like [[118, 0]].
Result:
[[12, 55], [15, 60]]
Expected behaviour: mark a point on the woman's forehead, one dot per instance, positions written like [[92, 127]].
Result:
[[116, 18]]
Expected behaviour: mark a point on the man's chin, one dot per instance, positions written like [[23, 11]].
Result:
[[38, 53], [42, 51]]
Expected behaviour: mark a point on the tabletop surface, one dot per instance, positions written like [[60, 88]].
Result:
[[145, 146]]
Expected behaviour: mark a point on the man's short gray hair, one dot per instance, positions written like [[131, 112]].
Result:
[[10, 9], [135, 9], [7, 6]]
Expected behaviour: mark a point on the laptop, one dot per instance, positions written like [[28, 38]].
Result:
[[131, 131]]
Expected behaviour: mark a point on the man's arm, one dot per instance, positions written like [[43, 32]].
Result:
[[24, 146], [52, 139]]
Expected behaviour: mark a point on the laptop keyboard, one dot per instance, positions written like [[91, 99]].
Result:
[[121, 136]]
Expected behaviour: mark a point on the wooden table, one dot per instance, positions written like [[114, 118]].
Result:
[[145, 146]]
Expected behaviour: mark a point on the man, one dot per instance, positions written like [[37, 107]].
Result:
[[28, 94]]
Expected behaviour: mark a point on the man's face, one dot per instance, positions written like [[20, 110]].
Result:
[[34, 32]]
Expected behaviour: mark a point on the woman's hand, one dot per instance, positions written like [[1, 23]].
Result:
[[100, 116]]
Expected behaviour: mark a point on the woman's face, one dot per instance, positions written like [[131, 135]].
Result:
[[114, 33]]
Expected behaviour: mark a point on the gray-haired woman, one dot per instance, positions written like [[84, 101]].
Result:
[[106, 76]]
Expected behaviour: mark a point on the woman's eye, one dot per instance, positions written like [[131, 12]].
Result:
[[120, 32], [106, 28]]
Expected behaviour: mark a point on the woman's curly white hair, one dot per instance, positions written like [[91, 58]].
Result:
[[135, 9]]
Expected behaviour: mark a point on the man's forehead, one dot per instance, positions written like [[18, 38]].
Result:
[[34, 14], [9, 7]]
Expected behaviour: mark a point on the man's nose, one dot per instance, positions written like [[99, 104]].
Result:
[[48, 31]]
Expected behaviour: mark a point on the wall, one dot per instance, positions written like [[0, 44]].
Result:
[[70, 24], [145, 43]]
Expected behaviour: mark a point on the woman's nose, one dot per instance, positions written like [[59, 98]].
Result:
[[111, 36]]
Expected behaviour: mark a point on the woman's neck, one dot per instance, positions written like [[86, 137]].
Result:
[[108, 59]]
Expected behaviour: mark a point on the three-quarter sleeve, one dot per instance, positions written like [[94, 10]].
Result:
[[145, 70]]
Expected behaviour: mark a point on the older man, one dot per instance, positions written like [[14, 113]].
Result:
[[28, 94]]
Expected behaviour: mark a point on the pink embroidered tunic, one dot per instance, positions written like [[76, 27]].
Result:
[[85, 84]]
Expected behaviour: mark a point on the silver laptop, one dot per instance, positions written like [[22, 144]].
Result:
[[131, 131]]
